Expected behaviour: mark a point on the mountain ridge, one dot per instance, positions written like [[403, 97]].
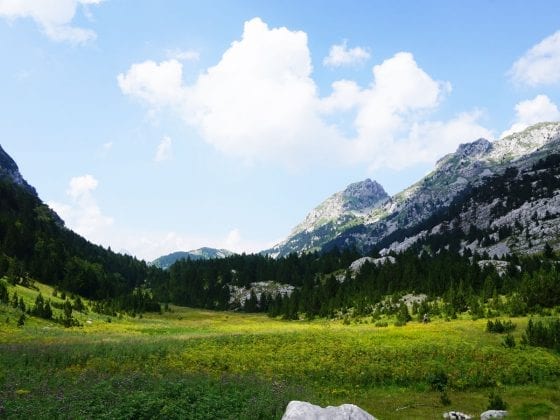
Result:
[[470, 165], [204, 253]]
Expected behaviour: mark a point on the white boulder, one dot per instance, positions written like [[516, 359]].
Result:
[[493, 414], [301, 410]]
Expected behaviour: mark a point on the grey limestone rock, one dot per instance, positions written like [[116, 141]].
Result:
[[493, 414], [301, 410]]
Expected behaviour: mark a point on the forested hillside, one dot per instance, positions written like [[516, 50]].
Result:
[[35, 245]]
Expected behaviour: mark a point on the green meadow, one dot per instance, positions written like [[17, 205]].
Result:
[[202, 364]]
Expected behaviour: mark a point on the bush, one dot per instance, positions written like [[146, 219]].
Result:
[[438, 380], [543, 334], [499, 327], [495, 402], [508, 341], [444, 399], [381, 324], [403, 316]]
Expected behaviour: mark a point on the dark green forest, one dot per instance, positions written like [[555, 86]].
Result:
[[34, 244]]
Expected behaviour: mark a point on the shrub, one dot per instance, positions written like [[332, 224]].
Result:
[[499, 327], [495, 402], [438, 380], [508, 341], [444, 399], [543, 334], [403, 316]]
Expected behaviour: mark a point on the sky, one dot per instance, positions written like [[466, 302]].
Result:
[[158, 126]]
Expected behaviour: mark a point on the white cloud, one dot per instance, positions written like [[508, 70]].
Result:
[[157, 84], [532, 111], [183, 55], [81, 186], [539, 65], [163, 151], [82, 214], [341, 55], [260, 103], [54, 17]]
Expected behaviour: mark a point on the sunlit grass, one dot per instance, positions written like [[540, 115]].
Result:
[[384, 370]]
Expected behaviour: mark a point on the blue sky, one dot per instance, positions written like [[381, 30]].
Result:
[[160, 126]]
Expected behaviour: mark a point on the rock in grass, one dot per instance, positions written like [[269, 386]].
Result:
[[493, 414], [456, 415], [301, 410]]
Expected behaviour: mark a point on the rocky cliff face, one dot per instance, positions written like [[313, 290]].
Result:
[[337, 213], [10, 171]]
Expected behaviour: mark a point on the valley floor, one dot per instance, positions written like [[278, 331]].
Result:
[[201, 364]]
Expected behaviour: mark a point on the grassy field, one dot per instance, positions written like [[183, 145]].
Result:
[[201, 364]]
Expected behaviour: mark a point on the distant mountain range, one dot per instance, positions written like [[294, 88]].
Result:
[[204, 253], [365, 217]]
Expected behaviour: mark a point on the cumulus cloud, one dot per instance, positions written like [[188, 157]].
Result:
[[532, 111], [54, 17], [163, 151], [260, 103], [340, 55], [82, 213], [539, 65], [158, 85]]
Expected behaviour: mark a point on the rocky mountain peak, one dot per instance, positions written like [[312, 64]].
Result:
[[362, 195], [10, 170], [338, 212]]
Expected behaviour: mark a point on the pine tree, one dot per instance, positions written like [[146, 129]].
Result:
[[15, 300], [21, 320], [4, 296], [21, 305]]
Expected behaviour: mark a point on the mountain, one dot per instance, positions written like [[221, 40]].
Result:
[[394, 222], [333, 216], [204, 253]]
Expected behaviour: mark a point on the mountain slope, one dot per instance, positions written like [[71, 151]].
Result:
[[35, 244], [204, 253], [515, 211], [472, 165], [337, 213]]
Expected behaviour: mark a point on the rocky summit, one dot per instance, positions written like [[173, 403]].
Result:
[[337, 213]]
